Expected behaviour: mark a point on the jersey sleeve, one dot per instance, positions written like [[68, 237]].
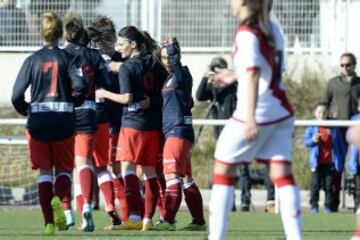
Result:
[[249, 50], [22, 82], [126, 78]]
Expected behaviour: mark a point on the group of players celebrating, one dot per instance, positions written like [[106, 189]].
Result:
[[93, 109]]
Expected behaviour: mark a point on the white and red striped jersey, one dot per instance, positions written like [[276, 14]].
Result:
[[252, 51]]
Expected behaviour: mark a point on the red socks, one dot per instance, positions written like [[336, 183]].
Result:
[[119, 189], [151, 196], [45, 191], [173, 197], [62, 188], [133, 195], [194, 202], [86, 181]]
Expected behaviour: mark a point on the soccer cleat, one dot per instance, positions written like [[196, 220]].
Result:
[[245, 207], [164, 226], [314, 210], [130, 225], [327, 211], [88, 223], [115, 221], [49, 229], [194, 227], [147, 226], [112, 227], [70, 220], [114, 218], [159, 221], [59, 215], [270, 206]]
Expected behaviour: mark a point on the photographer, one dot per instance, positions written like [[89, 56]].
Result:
[[223, 100]]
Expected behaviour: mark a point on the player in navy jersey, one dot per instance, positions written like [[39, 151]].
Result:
[[179, 138], [56, 87], [96, 74], [141, 140], [103, 37]]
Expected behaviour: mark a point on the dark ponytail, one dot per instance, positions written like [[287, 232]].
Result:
[[102, 33], [143, 40], [74, 29]]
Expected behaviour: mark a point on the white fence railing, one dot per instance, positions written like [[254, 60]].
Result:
[[207, 122]]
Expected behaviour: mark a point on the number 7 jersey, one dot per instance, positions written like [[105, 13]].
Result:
[[56, 86]]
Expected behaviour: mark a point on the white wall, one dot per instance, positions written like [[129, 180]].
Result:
[[10, 64]]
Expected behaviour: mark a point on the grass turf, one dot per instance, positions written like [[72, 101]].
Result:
[[27, 224]]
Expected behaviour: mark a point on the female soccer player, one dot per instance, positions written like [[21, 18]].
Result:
[[103, 35], [262, 124], [140, 141], [56, 87], [179, 137], [96, 75]]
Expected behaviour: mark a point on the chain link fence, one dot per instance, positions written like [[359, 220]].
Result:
[[197, 24]]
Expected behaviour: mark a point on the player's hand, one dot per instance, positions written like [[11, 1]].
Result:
[[170, 39], [251, 130], [223, 77], [145, 103], [100, 93], [115, 66], [316, 138]]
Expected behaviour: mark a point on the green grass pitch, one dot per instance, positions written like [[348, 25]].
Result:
[[27, 224]]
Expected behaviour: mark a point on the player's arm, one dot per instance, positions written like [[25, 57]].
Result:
[[126, 88], [22, 82], [122, 98], [173, 50], [253, 77]]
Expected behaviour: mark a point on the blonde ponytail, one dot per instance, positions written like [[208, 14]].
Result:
[[51, 27]]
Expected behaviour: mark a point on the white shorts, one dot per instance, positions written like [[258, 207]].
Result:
[[273, 143]]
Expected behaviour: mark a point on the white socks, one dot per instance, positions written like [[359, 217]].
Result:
[[222, 197], [290, 210]]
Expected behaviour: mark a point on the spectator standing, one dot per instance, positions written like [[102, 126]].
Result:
[[222, 106], [223, 98], [327, 149], [341, 97]]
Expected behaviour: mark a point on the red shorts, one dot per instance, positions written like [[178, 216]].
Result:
[[140, 147], [84, 144], [46, 155], [113, 143], [177, 156], [101, 150]]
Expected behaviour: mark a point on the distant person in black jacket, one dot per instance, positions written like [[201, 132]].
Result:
[[223, 102], [223, 99]]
